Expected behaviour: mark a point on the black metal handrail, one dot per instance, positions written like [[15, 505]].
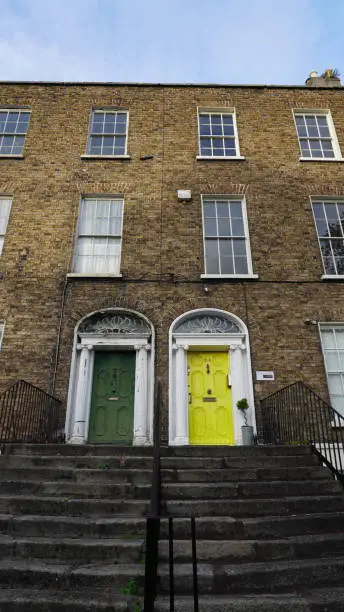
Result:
[[29, 414], [297, 415], [153, 528]]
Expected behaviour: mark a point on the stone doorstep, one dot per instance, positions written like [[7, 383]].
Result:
[[245, 474], [18, 600], [86, 550], [77, 462], [30, 504], [240, 551], [69, 526], [299, 600], [80, 476], [230, 490], [99, 491], [257, 577], [78, 449], [255, 507]]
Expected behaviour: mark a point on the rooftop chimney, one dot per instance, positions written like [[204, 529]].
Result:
[[329, 78]]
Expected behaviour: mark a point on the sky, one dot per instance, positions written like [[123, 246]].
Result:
[[170, 41]]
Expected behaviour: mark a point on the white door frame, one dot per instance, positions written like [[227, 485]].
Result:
[[236, 343], [81, 377]]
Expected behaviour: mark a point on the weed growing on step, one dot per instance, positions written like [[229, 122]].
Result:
[[132, 588], [104, 466]]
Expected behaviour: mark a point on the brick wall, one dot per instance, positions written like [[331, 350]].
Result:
[[162, 256]]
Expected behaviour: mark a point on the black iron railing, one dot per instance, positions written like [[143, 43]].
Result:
[[28, 414], [297, 415], [153, 525]]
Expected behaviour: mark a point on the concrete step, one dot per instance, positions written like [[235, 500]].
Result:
[[101, 462], [255, 577], [72, 527], [79, 449], [238, 462], [52, 600], [52, 506], [76, 550], [70, 576], [127, 490], [255, 507], [249, 474], [87, 476], [229, 490], [249, 551], [315, 600], [235, 451], [36, 600]]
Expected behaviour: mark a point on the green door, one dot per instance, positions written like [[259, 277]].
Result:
[[112, 402]]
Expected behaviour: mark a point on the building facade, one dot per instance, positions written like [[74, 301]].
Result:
[[188, 233]]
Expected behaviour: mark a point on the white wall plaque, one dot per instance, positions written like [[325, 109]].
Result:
[[184, 195], [269, 375]]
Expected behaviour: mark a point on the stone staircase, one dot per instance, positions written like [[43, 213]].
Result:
[[270, 534], [270, 530], [72, 527]]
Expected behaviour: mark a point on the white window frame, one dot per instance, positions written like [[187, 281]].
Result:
[[2, 332], [332, 200], [227, 198], [335, 145], [77, 236], [98, 155], [219, 111], [16, 110], [3, 235], [322, 325]]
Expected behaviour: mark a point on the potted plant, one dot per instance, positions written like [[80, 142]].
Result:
[[246, 430]]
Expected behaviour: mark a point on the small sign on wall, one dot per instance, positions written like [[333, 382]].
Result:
[[268, 375]]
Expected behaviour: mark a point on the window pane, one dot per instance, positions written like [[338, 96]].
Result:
[[228, 130], [210, 227], [239, 247], [227, 119], [332, 361], [204, 129], [224, 228], [238, 227], [324, 131], [328, 338], [339, 333], [222, 210], [241, 265], [335, 384], [305, 148], [226, 255], [216, 129], [321, 227], [236, 210], [211, 257], [203, 119], [209, 209], [1, 244]]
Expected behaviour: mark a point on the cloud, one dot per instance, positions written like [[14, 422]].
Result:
[[224, 41]]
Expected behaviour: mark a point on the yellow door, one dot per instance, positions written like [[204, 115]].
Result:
[[210, 399]]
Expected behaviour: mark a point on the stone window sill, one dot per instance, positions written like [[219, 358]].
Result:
[[332, 277], [91, 275], [5, 156], [105, 156], [220, 158], [231, 276], [321, 159]]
